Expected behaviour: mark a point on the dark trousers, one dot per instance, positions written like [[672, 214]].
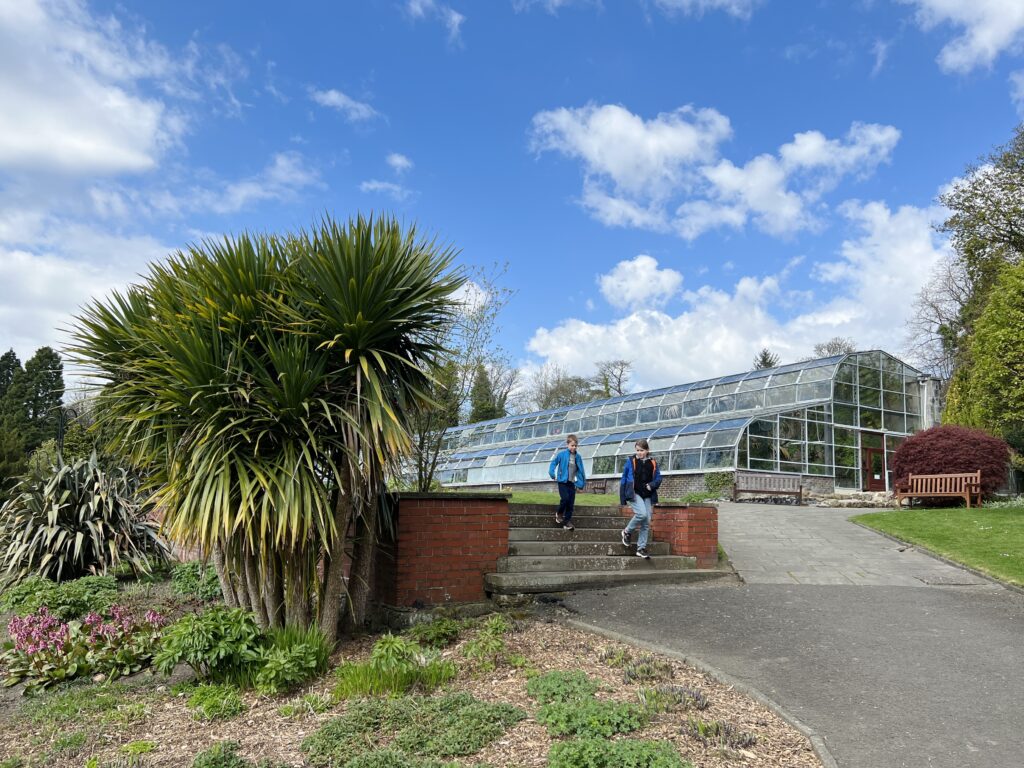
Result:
[[567, 500]]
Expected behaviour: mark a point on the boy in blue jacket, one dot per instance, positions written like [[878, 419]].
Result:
[[567, 470], [639, 488]]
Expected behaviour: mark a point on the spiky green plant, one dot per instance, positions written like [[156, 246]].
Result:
[[267, 382], [80, 519]]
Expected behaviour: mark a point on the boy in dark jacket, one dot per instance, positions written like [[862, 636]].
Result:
[[639, 488], [567, 470]]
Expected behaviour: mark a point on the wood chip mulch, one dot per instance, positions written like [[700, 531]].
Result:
[[546, 645]]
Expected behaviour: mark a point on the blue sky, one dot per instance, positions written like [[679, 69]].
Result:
[[675, 182]]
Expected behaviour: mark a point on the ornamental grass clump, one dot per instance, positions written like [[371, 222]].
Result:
[[397, 665]]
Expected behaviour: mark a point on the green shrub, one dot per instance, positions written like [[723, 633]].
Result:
[[80, 519], [438, 633], [562, 686], [292, 657], [720, 732], [718, 483], [591, 718], [699, 497], [220, 644], [389, 758], [497, 624], [215, 701], [13, 762], [436, 727], [196, 579], [484, 650], [310, 704], [67, 600], [625, 753]]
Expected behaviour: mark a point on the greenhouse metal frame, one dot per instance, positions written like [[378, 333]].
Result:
[[838, 418]]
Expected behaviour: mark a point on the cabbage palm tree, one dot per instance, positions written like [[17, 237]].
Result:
[[266, 382]]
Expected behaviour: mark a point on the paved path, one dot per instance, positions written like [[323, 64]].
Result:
[[895, 659]]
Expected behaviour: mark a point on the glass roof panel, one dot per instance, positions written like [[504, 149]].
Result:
[[667, 432], [643, 434], [616, 437], [732, 378], [553, 444], [730, 424], [702, 426], [591, 439]]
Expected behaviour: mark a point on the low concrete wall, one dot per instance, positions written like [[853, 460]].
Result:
[[444, 544]]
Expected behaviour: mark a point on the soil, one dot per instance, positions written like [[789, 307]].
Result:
[[543, 641]]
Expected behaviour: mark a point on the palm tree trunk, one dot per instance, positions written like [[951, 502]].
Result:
[[334, 561], [363, 557], [296, 594], [224, 577], [252, 578], [273, 589]]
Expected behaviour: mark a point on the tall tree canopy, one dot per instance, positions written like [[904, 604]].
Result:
[[483, 400], [267, 383], [765, 359]]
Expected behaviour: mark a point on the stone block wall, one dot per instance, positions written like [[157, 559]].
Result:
[[444, 545]]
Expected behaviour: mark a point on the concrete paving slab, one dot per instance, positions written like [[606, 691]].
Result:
[[913, 663]]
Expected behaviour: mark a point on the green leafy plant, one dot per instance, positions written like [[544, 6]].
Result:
[[562, 687], [624, 753], [699, 497], [215, 701], [220, 644], [70, 743], [438, 633], [396, 665], [196, 579], [437, 727], [83, 519], [497, 624], [134, 750], [668, 698], [310, 704], [292, 657], [718, 483], [67, 600], [224, 754], [16, 761], [390, 758], [484, 650], [591, 717], [719, 732], [616, 657], [647, 669]]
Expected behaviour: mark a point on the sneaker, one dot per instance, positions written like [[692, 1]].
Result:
[[569, 527], [625, 537], [558, 518], [643, 553]]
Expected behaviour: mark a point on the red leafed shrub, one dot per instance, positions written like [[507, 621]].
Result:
[[949, 449]]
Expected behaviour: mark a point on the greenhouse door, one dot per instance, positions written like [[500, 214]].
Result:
[[872, 454]]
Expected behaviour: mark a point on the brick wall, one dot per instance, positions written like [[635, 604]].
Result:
[[444, 545], [690, 530]]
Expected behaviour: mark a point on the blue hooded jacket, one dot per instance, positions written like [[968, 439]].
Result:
[[558, 469], [626, 489]]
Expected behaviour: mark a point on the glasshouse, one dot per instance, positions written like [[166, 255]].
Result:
[[834, 420]]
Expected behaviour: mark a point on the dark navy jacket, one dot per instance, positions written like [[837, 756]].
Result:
[[626, 490]]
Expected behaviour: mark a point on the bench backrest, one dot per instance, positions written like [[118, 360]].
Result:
[[768, 482], [952, 483]]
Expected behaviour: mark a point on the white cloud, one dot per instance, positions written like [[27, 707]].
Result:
[[395, 191], [881, 51], [638, 282], [1017, 91], [452, 19], [864, 296], [635, 169], [285, 176], [399, 163], [741, 9], [354, 111], [68, 84], [988, 28]]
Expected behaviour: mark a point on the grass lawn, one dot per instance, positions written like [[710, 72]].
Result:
[[990, 540]]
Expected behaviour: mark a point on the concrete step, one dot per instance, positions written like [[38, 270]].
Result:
[[561, 581], [591, 548], [580, 521], [550, 509], [619, 562], [552, 533]]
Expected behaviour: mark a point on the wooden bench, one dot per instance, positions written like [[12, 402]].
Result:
[[769, 485], [596, 486], [965, 485]]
